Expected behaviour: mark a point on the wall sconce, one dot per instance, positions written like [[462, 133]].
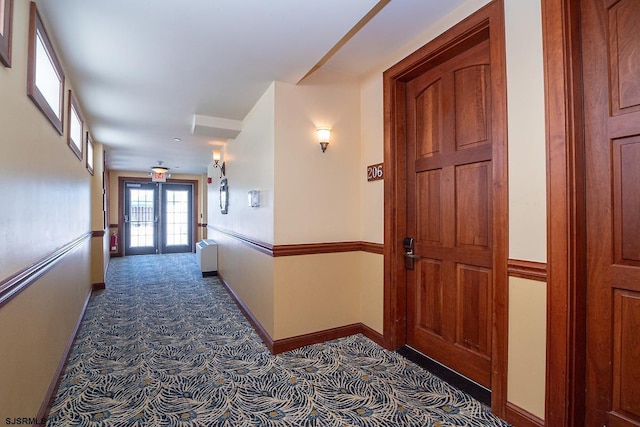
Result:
[[216, 163], [324, 135]]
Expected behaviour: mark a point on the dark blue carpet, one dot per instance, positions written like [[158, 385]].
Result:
[[163, 346]]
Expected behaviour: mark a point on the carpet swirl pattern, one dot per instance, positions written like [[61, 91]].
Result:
[[163, 346]]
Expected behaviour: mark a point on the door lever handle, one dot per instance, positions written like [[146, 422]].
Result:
[[410, 260], [409, 257]]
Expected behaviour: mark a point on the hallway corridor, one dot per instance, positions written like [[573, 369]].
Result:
[[162, 346]]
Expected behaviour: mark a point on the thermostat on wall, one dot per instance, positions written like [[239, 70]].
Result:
[[254, 198]]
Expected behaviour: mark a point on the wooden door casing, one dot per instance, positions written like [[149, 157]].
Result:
[[449, 213], [611, 72], [486, 24]]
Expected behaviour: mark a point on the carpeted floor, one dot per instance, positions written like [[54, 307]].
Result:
[[162, 346]]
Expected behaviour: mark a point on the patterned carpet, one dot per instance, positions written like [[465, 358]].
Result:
[[162, 346]]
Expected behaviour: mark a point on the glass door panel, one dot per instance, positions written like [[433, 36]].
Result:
[[177, 214], [141, 218]]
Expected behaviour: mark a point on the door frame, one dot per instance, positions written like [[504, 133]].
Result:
[[121, 190], [566, 208], [487, 22]]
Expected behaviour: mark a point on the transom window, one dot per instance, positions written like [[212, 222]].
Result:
[[74, 128], [45, 80]]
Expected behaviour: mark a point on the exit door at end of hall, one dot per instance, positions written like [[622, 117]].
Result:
[[158, 218]]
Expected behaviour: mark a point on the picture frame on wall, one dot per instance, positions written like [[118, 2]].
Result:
[[6, 18], [224, 196]]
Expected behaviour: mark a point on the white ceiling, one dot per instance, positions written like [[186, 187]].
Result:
[[142, 69]]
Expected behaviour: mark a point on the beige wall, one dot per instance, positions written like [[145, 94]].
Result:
[[315, 292], [250, 274], [46, 204], [527, 343], [527, 203], [317, 195], [526, 127], [304, 174], [99, 245], [35, 328], [44, 187], [249, 166]]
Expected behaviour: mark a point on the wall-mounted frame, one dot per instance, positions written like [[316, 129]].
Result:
[[224, 196], [90, 159], [6, 18], [45, 87], [75, 126]]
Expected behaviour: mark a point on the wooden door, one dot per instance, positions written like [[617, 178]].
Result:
[[611, 49], [449, 213]]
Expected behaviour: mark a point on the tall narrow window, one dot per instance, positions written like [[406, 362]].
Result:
[[6, 12], [45, 79], [74, 127]]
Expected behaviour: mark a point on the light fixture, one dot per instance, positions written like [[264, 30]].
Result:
[[324, 135], [216, 163], [160, 169]]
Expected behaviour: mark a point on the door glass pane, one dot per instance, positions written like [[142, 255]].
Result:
[[177, 220], [142, 217]]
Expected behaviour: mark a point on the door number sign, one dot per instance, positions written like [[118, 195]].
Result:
[[375, 172]]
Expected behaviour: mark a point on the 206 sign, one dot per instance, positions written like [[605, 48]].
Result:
[[375, 172]]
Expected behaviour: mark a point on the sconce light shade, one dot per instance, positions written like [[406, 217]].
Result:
[[216, 163], [216, 156], [324, 135]]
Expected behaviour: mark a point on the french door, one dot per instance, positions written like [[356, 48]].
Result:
[[158, 218]]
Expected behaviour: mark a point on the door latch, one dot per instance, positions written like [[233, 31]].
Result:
[[409, 257]]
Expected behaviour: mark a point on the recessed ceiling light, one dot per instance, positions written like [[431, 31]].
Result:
[[177, 139]]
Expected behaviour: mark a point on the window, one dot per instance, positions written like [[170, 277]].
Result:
[[89, 154], [74, 127], [45, 79], [6, 12]]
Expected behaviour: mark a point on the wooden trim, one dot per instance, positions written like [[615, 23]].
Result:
[[98, 286], [566, 249], [97, 233], [372, 334], [303, 248], [374, 248], [47, 402], [527, 270], [315, 248], [262, 333], [288, 344], [13, 285], [489, 20], [519, 417]]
